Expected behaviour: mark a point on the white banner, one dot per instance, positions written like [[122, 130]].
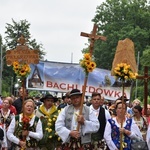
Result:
[[63, 77]]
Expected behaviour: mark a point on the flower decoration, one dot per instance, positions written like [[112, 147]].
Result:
[[87, 63], [25, 125], [21, 69], [123, 72], [49, 126], [25, 122]]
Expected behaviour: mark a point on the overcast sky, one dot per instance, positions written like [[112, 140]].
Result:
[[56, 24]]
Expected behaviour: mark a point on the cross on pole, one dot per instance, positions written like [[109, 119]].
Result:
[[93, 37], [145, 77]]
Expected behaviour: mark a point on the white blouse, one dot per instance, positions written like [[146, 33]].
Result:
[[36, 135]]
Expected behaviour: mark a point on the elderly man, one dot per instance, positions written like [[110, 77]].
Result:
[[68, 120], [48, 112]]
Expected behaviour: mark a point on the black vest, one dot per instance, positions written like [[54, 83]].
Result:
[[102, 120]]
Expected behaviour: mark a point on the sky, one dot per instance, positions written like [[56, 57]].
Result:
[[55, 24]]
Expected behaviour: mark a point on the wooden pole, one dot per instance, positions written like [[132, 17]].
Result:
[[23, 95], [146, 78], [82, 100], [92, 37], [122, 116]]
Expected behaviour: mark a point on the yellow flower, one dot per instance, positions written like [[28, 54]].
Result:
[[47, 129], [87, 64], [49, 120], [54, 119], [50, 136], [21, 69], [49, 124], [15, 64], [89, 69], [59, 138], [93, 65], [50, 130], [87, 56], [126, 77], [123, 72]]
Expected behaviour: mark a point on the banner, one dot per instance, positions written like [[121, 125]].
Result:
[[63, 77]]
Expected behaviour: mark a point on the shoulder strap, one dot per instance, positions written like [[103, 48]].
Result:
[[36, 119], [17, 117]]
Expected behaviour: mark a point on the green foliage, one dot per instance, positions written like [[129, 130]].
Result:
[[15, 30], [145, 59], [34, 93], [118, 20]]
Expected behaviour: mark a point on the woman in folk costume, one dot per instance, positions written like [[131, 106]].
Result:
[[6, 115], [25, 130], [113, 129], [67, 123], [48, 113], [140, 120]]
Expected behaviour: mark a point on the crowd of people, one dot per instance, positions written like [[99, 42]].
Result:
[[48, 123]]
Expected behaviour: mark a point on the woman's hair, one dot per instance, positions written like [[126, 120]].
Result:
[[139, 108], [29, 100], [136, 101], [9, 100], [120, 103]]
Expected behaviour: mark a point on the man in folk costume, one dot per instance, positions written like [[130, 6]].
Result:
[[98, 142], [48, 113], [68, 120]]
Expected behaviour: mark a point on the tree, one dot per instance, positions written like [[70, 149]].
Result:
[[145, 58], [118, 20], [15, 30]]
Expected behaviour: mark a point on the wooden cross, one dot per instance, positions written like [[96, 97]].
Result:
[[93, 37], [146, 78]]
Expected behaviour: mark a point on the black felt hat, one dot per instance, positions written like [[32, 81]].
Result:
[[75, 92], [49, 96], [121, 97]]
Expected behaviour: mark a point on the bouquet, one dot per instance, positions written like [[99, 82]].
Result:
[[123, 72], [22, 70], [25, 123], [87, 63]]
